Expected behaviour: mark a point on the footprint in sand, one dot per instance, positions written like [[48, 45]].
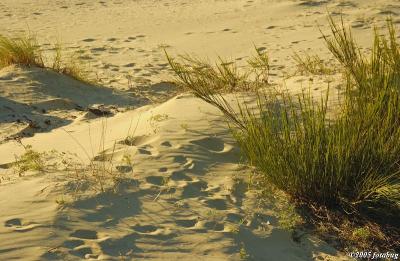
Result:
[[210, 143], [79, 248], [179, 175], [155, 180], [19, 225], [89, 40], [213, 225], [82, 251], [186, 223], [154, 232], [163, 169], [233, 217], [261, 48], [98, 49], [195, 189], [124, 168], [206, 225], [248, 3], [219, 204], [180, 159], [346, 4], [120, 247], [84, 234], [129, 65], [163, 65], [112, 39], [73, 243], [144, 151], [313, 3], [13, 222], [144, 228]]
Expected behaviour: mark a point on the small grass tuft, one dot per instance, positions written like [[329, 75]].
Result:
[[312, 64], [31, 160]]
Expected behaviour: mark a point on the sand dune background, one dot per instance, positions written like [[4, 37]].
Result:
[[120, 38], [186, 194]]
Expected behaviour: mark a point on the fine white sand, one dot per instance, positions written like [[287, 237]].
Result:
[[185, 196]]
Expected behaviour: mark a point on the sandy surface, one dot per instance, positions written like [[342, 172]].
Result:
[[181, 192]]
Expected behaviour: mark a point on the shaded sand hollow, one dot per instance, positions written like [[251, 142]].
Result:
[[181, 192]]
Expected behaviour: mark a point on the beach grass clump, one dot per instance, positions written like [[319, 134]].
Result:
[[26, 51], [209, 82], [224, 77], [22, 50], [350, 164]]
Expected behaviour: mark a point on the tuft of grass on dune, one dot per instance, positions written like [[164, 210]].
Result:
[[25, 50], [22, 50], [99, 175], [70, 66], [31, 160], [349, 167], [209, 82]]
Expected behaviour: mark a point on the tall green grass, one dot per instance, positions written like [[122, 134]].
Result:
[[352, 162]]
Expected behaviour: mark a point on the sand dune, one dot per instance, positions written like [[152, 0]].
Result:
[[182, 193], [182, 199]]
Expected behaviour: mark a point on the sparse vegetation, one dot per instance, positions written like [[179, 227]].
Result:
[[70, 66], [243, 253], [129, 140], [155, 119], [100, 174], [127, 159], [289, 219], [349, 166], [185, 126], [31, 160], [312, 64]]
